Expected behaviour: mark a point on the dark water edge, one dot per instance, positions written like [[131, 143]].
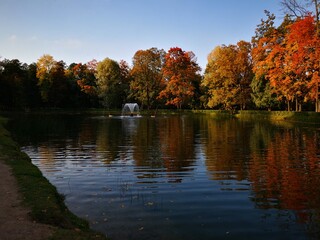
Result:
[[46, 204], [282, 196]]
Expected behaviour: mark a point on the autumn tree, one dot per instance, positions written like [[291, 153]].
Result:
[[268, 53], [125, 80], [180, 74], [287, 57], [109, 83], [282, 81], [44, 71], [52, 81], [263, 94], [82, 85], [146, 75], [302, 9], [244, 73], [301, 62], [264, 29], [85, 76], [228, 76]]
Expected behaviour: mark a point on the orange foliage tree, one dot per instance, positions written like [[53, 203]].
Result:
[[84, 75], [301, 58], [180, 73], [228, 76], [288, 58], [263, 94]]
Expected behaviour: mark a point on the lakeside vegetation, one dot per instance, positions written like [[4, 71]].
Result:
[[46, 204], [277, 70], [303, 117]]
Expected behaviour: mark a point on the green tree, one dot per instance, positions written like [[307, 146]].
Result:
[[109, 83], [147, 76], [13, 75], [262, 94]]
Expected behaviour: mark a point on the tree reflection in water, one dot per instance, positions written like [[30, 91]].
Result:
[[275, 166]]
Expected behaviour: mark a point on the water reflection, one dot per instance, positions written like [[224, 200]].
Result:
[[286, 175], [226, 149], [246, 178]]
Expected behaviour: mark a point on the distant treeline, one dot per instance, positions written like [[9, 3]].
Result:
[[278, 70]]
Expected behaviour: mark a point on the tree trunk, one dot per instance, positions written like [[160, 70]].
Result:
[[317, 105], [317, 97]]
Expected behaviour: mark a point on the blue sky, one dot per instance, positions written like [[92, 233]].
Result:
[[82, 30]]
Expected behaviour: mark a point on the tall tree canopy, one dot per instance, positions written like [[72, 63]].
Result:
[[180, 72], [109, 83], [13, 76], [263, 94], [147, 75], [52, 81], [125, 80], [84, 74], [301, 9], [302, 62], [82, 84], [288, 58], [228, 76], [45, 65]]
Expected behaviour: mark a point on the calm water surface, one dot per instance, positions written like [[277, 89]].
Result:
[[181, 176]]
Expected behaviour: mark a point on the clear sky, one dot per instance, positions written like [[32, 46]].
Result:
[[82, 30]]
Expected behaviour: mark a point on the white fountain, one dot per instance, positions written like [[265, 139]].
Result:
[[130, 109]]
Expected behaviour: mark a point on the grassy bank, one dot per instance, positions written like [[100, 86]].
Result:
[[303, 117], [46, 204], [216, 114], [306, 117]]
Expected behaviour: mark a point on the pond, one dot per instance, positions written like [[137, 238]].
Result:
[[185, 176]]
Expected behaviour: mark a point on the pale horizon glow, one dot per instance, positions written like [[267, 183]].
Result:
[[79, 31]]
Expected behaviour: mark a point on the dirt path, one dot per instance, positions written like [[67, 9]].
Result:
[[15, 224]]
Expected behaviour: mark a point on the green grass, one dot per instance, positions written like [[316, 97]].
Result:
[[216, 114], [305, 117], [46, 204]]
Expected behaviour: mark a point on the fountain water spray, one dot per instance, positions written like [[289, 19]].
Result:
[[130, 109]]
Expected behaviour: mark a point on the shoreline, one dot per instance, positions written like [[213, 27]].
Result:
[[36, 205], [272, 116]]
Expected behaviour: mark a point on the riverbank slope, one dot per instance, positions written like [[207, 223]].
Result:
[[32, 207]]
